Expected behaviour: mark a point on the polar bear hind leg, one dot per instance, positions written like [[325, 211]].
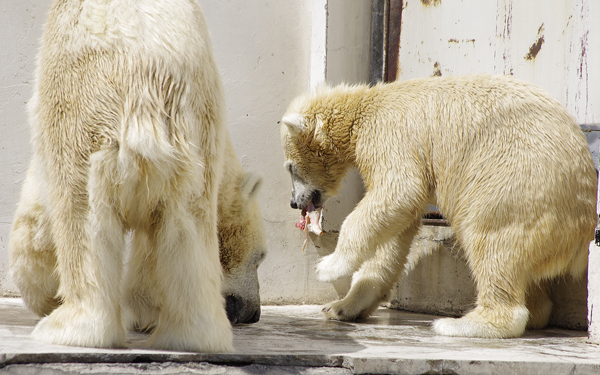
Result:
[[140, 299], [89, 254], [192, 315], [539, 305], [501, 280]]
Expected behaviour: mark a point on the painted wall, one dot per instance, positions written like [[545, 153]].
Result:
[[268, 52], [555, 44], [20, 30]]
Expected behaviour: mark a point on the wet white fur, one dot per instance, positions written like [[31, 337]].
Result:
[[128, 134], [506, 164]]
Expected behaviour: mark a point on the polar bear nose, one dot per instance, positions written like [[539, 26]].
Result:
[[255, 318], [293, 203], [240, 310]]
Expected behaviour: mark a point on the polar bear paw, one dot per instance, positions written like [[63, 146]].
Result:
[[340, 310], [332, 267], [349, 309], [363, 298], [480, 323], [77, 326], [140, 318], [202, 337], [140, 311]]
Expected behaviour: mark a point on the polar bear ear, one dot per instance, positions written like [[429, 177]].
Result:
[[295, 123], [251, 185]]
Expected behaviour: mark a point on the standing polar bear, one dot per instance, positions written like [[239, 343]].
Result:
[[129, 136], [505, 163]]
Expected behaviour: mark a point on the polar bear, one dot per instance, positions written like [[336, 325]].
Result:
[[505, 163], [129, 137]]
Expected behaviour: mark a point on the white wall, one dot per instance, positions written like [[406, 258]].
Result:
[[20, 29], [264, 50], [457, 37], [268, 53]]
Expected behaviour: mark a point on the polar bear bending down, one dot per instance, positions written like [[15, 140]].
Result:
[[505, 163], [129, 135]]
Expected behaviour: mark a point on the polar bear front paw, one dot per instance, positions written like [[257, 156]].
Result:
[[332, 267], [339, 311], [363, 298], [77, 326], [348, 310], [201, 336]]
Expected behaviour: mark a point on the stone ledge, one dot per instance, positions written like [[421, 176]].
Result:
[[295, 339]]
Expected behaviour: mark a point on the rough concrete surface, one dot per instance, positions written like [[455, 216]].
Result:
[[295, 339]]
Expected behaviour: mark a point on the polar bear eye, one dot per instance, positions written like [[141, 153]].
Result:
[[289, 167], [261, 258]]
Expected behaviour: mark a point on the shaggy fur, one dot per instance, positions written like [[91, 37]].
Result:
[[129, 136], [506, 164]]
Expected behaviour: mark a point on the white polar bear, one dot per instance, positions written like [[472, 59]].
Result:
[[129, 136], [506, 164]]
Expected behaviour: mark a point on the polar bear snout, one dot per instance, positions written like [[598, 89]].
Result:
[[303, 192], [302, 201], [241, 310], [301, 197]]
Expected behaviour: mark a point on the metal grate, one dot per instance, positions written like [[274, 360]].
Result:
[[434, 218]]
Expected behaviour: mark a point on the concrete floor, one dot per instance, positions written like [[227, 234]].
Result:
[[295, 339]]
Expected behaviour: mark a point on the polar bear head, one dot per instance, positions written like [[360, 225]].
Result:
[[314, 137], [242, 247]]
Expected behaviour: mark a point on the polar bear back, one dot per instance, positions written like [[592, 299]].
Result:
[[138, 80], [499, 155], [489, 136]]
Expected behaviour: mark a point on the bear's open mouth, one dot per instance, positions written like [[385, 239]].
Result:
[[310, 221]]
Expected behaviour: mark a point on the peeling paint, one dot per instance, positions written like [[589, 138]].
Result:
[[582, 56], [437, 72], [504, 18], [529, 40], [582, 72], [431, 2], [452, 40], [537, 46]]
